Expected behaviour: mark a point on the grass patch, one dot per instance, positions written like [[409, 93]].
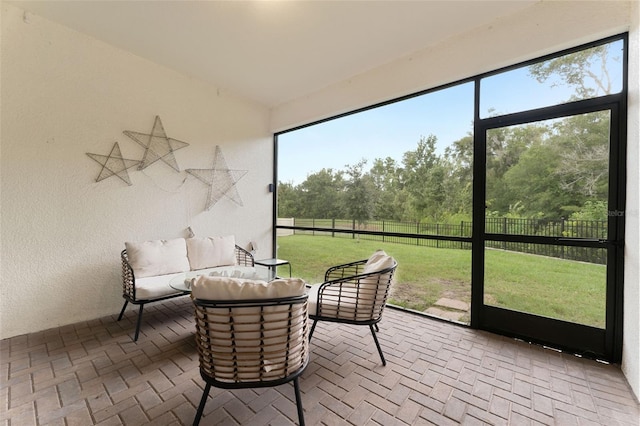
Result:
[[546, 286], [567, 290]]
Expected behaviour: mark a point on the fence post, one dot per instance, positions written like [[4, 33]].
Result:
[[504, 231], [461, 233], [353, 228], [333, 226], [562, 234]]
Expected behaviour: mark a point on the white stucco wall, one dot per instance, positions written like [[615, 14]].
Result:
[[64, 95], [544, 28]]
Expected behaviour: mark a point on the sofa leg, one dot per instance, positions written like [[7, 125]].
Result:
[[123, 308], [135, 339]]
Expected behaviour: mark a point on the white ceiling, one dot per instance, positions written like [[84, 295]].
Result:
[[273, 51]]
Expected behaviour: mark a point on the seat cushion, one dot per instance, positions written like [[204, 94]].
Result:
[[211, 252], [154, 287], [340, 303], [158, 257], [227, 288]]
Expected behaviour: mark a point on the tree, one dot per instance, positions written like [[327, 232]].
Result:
[[424, 174], [591, 210], [458, 189], [532, 185], [584, 165], [385, 176], [288, 200], [586, 71], [320, 195], [505, 148], [359, 193]]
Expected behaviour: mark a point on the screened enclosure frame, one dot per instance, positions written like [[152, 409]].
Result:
[[609, 340]]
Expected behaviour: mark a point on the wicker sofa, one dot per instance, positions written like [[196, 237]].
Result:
[[148, 267]]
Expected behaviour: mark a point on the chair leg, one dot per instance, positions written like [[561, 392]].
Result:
[[123, 308], [203, 402], [377, 328], [135, 339], [296, 387], [375, 339], [313, 327]]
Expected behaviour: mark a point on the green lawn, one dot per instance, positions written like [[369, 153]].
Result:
[[567, 290]]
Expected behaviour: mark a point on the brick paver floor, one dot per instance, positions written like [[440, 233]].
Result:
[[436, 373]]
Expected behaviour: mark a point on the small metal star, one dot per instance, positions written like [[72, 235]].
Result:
[[158, 146], [220, 179], [113, 164]]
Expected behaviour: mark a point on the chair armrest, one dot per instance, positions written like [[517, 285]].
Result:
[[345, 270], [128, 278], [243, 257]]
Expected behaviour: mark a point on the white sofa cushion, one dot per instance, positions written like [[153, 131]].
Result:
[[226, 288], [158, 257], [154, 287], [339, 303], [211, 252]]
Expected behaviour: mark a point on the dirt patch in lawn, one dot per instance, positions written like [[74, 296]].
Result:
[[421, 296]]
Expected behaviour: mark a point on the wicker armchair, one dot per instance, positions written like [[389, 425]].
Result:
[[262, 342], [354, 293], [243, 258]]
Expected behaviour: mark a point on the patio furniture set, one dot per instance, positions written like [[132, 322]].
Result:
[[252, 327]]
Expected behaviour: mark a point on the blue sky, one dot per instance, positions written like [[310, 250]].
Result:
[[392, 130], [387, 131]]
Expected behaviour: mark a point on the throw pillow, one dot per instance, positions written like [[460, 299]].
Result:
[[211, 252], [158, 257]]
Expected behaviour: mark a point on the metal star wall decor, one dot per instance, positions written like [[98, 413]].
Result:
[[158, 146], [221, 180], [113, 164]]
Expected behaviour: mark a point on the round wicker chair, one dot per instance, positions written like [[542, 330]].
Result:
[[252, 343]]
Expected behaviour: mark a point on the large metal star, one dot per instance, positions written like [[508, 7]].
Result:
[[158, 146], [220, 179], [113, 164]]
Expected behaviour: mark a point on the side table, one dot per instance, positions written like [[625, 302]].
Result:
[[272, 264]]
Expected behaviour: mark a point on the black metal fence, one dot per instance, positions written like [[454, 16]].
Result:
[[384, 231]]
